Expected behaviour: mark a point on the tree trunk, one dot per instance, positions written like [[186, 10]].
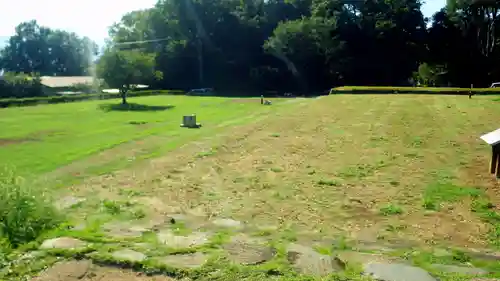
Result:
[[124, 96]]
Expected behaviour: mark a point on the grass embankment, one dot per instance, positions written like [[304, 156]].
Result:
[[412, 90]]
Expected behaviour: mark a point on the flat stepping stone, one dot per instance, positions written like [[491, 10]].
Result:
[[128, 255], [187, 261], [351, 257], [459, 269], [396, 272], [248, 251], [68, 202], [66, 271], [228, 223], [307, 261], [63, 243], [195, 239], [124, 230]]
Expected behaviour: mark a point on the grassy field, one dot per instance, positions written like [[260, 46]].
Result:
[[381, 170], [41, 139]]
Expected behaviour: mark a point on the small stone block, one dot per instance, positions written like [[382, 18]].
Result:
[[396, 272], [63, 243], [186, 261], [128, 255]]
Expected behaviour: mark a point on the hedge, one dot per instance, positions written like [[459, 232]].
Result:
[[412, 90], [72, 98]]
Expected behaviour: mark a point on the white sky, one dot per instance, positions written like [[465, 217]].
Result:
[[90, 17]]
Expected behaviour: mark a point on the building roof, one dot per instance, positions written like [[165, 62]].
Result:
[[65, 81]]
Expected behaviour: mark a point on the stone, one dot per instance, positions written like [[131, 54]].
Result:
[[351, 257], [463, 270], [79, 227], [184, 261], [442, 253], [307, 261], [124, 229], [248, 251], [63, 243], [228, 223], [68, 202], [396, 272], [485, 255], [66, 271], [374, 247], [195, 239], [128, 255]]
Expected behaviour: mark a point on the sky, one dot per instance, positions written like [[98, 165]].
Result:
[[91, 18]]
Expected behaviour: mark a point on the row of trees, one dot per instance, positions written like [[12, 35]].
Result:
[[302, 45]]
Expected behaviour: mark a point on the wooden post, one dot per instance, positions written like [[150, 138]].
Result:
[[494, 159], [262, 99], [497, 155]]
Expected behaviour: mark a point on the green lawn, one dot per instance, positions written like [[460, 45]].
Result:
[[40, 139]]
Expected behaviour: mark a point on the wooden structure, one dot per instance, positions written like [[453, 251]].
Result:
[[189, 121], [493, 139]]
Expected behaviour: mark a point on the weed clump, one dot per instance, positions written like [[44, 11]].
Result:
[[25, 211]]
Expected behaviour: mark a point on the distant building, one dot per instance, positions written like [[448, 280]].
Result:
[[67, 84]]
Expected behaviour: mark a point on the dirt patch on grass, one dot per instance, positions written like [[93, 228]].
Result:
[[363, 166], [36, 136], [5, 141]]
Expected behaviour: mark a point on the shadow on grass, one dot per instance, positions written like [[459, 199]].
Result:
[[133, 107]]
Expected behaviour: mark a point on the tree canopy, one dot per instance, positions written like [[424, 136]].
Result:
[[289, 45]]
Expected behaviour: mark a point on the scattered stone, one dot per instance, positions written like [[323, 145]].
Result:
[[128, 255], [66, 271], [351, 257], [143, 245], [228, 223], [269, 228], [68, 202], [373, 247], [459, 269], [485, 255], [79, 227], [248, 251], [63, 243], [442, 253], [189, 261], [195, 239], [124, 230], [307, 261], [396, 272]]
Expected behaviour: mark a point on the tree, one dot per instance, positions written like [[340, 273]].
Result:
[[121, 69], [39, 49]]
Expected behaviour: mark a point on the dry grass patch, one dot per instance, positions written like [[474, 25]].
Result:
[[331, 166]]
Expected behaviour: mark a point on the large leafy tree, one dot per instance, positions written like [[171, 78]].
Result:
[[35, 48], [122, 69]]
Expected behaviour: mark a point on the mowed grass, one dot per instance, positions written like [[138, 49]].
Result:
[[369, 167], [41, 139]]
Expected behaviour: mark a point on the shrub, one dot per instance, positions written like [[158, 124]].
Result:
[[73, 98], [25, 211], [20, 86]]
